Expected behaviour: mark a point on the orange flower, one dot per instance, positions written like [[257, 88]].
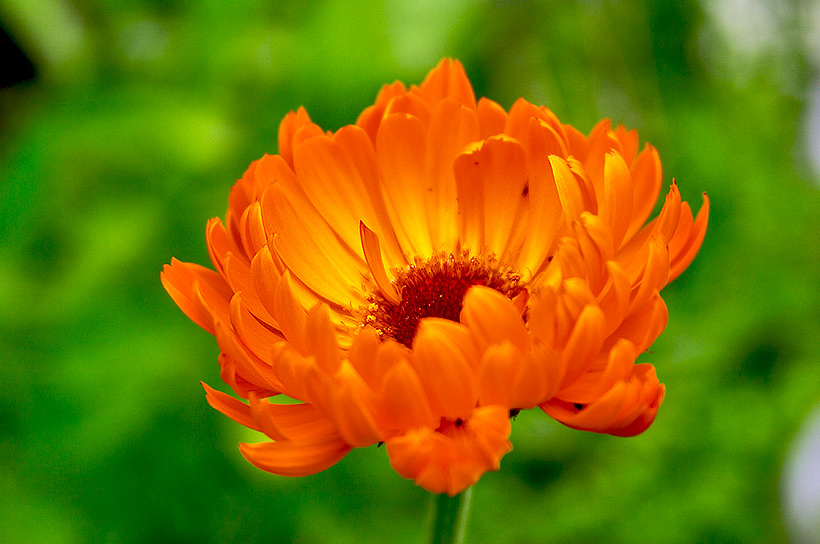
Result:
[[417, 278]]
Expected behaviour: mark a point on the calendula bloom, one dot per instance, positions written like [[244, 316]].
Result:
[[419, 277]]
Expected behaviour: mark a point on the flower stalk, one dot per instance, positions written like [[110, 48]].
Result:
[[449, 517]]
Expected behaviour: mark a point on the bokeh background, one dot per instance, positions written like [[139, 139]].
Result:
[[123, 125]]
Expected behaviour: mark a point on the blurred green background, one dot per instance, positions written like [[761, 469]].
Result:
[[134, 119]]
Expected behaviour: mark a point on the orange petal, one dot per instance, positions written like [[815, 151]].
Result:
[[322, 342], [546, 213], [520, 118], [291, 124], [291, 458], [253, 233], [627, 409], [654, 275], [616, 207], [188, 283], [238, 274], [540, 376], [243, 194], [452, 127], [403, 402], [684, 251], [596, 246], [629, 142], [491, 118], [296, 422], [250, 367], [542, 322], [584, 343], [311, 248], [371, 118], [400, 144], [444, 368], [446, 80], [490, 178], [353, 403], [219, 243], [645, 324], [332, 183], [362, 354], [299, 375], [289, 314], [231, 407], [500, 366], [646, 178], [373, 256], [242, 387], [258, 338], [362, 152], [410, 104], [569, 192], [614, 297], [492, 318], [596, 382], [670, 214], [452, 460]]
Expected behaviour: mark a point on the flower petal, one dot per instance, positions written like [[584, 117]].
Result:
[[545, 217], [373, 255], [311, 249], [569, 192], [491, 118], [353, 404], [616, 207], [323, 343], [328, 176], [492, 318], [454, 459], [444, 367], [231, 407], [256, 337], [400, 144], [298, 422], [584, 343], [292, 122], [187, 283], [291, 458], [403, 403], [491, 180], [627, 409], [646, 178], [448, 79], [452, 127], [685, 246]]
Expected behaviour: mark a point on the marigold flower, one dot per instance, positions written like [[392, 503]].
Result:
[[417, 278]]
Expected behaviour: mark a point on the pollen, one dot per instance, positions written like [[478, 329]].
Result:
[[435, 288]]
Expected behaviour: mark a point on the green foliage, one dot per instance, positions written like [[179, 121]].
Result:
[[144, 113]]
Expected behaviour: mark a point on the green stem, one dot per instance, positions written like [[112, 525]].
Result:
[[450, 517]]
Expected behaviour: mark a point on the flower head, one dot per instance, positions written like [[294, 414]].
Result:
[[417, 277]]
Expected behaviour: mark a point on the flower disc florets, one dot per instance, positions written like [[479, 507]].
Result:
[[341, 281], [435, 288]]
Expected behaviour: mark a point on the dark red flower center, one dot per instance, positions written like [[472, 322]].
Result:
[[435, 288]]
